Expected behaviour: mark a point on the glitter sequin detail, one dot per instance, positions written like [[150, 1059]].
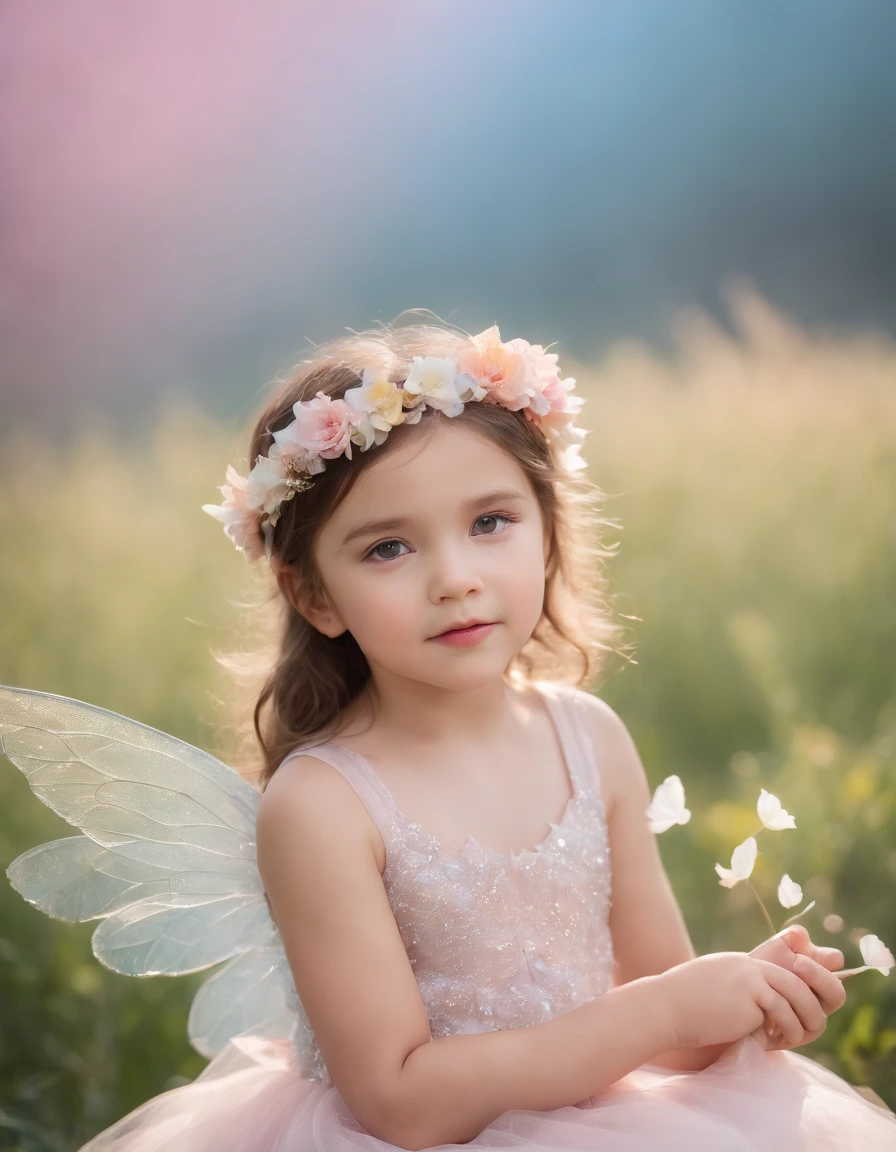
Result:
[[495, 940]]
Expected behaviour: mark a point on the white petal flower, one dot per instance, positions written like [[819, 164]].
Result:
[[266, 485], [435, 381], [469, 389], [876, 954], [772, 814], [742, 860], [789, 892], [667, 806]]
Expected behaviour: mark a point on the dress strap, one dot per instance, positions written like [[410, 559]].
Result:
[[373, 793], [566, 705]]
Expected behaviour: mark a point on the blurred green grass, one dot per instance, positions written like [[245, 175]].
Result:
[[754, 478]]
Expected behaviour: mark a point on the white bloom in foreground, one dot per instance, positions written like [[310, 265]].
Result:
[[789, 892], [876, 954], [742, 860], [667, 806], [772, 814], [435, 380]]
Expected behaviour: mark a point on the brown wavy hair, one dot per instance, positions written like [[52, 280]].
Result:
[[291, 682]]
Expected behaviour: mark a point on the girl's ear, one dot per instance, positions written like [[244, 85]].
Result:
[[320, 614]]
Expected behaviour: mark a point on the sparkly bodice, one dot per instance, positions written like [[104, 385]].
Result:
[[495, 940]]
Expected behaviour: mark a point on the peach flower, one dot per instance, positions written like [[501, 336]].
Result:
[[500, 370]]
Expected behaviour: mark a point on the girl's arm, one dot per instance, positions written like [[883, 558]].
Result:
[[648, 929], [317, 854]]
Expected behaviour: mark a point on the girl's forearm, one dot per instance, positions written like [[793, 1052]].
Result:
[[690, 1059], [453, 1087]]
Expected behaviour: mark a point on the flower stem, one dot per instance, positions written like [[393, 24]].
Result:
[[797, 915], [764, 909], [852, 971]]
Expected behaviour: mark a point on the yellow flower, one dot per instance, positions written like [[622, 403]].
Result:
[[375, 407]]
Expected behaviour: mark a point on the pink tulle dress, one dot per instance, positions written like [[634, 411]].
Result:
[[501, 941]]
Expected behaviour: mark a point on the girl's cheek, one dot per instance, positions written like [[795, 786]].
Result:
[[388, 611]]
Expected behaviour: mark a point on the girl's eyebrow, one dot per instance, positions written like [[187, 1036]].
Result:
[[373, 527]]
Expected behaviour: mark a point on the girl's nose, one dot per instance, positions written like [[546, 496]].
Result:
[[455, 575]]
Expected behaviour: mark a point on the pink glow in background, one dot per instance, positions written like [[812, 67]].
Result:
[[193, 191], [156, 153]]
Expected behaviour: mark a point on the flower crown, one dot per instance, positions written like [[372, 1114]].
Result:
[[516, 374]]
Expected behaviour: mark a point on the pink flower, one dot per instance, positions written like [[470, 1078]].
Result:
[[541, 366], [241, 524], [557, 393], [558, 426], [499, 369], [323, 426], [291, 455]]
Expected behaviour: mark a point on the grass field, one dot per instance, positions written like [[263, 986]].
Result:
[[753, 478]]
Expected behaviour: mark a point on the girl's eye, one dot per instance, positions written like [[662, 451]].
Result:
[[386, 550], [490, 520], [375, 550]]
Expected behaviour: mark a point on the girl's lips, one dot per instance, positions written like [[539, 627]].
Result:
[[465, 637]]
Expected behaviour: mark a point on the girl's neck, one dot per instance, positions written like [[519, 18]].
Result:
[[427, 716]]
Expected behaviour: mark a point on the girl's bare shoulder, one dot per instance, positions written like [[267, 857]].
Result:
[[602, 719], [309, 800]]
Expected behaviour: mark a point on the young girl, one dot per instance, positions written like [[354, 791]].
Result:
[[483, 945]]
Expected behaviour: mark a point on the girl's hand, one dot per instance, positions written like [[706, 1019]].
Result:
[[792, 949], [723, 996]]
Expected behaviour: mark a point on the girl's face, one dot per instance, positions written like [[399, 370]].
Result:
[[436, 535]]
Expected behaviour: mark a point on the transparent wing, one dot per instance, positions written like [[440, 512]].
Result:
[[166, 860]]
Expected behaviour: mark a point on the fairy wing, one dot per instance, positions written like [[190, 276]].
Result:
[[166, 861]]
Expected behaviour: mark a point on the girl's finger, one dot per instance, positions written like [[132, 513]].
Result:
[[798, 994], [828, 989], [801, 944], [830, 958], [777, 1042], [781, 1017], [796, 937]]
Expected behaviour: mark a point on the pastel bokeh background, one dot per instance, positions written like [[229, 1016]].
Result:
[[192, 192], [696, 202]]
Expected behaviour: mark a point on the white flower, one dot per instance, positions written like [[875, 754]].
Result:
[[876, 954], [772, 814], [742, 860], [434, 380], [571, 459], [667, 806], [266, 486], [469, 389], [789, 892]]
